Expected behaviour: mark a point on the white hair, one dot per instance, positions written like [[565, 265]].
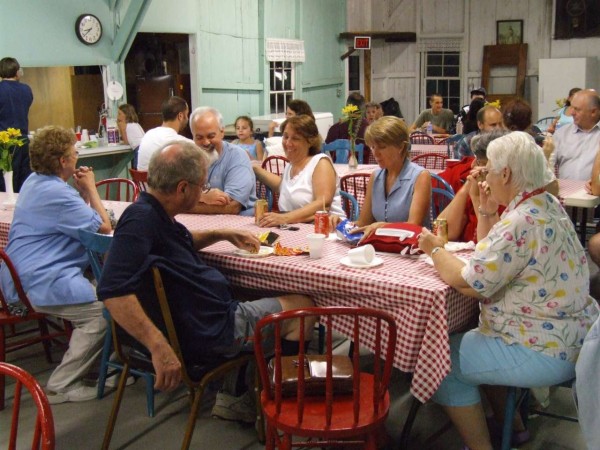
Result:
[[525, 159], [202, 110]]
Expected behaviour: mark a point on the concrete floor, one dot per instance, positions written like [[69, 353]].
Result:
[[81, 425]]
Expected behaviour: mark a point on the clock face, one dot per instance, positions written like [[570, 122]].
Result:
[[88, 29]]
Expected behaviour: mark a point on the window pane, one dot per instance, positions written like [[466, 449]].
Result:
[[451, 71], [273, 103], [287, 80], [451, 59], [454, 89], [434, 59], [434, 71], [443, 88]]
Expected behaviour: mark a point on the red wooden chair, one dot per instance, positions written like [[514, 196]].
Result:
[[43, 434], [140, 178], [431, 161], [416, 137], [119, 189], [10, 316], [324, 419], [274, 164], [356, 184]]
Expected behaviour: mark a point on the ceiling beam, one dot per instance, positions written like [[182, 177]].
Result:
[[128, 28], [387, 36]]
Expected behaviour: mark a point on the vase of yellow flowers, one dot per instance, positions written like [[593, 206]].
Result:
[[352, 115], [10, 139]]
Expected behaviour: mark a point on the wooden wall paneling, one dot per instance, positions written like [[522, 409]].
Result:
[[52, 103], [88, 95]]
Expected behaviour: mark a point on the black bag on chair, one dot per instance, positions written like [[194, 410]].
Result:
[[391, 108]]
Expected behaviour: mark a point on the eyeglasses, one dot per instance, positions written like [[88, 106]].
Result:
[[75, 154], [204, 188]]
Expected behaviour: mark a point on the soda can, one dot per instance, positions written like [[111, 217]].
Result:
[[440, 228], [260, 208], [322, 222]]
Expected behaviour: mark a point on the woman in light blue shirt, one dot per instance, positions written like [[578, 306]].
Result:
[[400, 191]]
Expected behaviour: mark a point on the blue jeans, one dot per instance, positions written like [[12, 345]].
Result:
[[478, 359]]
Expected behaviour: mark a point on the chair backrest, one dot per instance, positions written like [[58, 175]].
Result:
[[96, 245], [451, 142], [417, 137], [275, 164], [350, 206], [356, 323], [438, 182], [17, 283], [140, 178], [440, 198], [340, 151], [431, 161], [544, 123], [43, 434], [356, 185], [119, 189]]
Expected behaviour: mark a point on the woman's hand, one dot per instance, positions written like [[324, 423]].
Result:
[[368, 230], [271, 219], [428, 241], [85, 181], [334, 219]]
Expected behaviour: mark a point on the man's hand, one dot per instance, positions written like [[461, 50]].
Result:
[[215, 197], [167, 368], [243, 239]]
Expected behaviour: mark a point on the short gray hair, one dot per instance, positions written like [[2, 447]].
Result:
[[480, 142], [525, 159], [166, 171], [202, 110]]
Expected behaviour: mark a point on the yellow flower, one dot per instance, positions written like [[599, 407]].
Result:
[[533, 244], [532, 279], [9, 139], [560, 293], [349, 109], [495, 103], [491, 266], [14, 132], [552, 344]]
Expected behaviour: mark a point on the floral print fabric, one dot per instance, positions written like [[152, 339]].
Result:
[[533, 271]]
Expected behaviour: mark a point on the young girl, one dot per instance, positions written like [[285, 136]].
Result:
[[130, 130], [244, 130]]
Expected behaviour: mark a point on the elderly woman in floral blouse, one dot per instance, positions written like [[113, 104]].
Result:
[[530, 274]]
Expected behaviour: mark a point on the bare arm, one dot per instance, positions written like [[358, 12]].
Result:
[[233, 207], [455, 215], [419, 207], [270, 179], [240, 238], [260, 151], [128, 313], [448, 266], [596, 175]]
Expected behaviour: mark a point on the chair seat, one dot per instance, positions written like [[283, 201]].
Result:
[[9, 319], [342, 424]]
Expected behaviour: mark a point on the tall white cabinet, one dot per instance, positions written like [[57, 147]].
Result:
[[558, 75]]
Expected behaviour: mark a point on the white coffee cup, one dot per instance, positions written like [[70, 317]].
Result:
[[315, 245], [85, 136], [362, 255]]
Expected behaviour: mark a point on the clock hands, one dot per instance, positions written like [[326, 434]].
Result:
[[86, 31]]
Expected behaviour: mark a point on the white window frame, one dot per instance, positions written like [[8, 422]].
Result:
[[276, 70], [425, 78]]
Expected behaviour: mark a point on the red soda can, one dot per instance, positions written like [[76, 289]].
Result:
[[322, 222]]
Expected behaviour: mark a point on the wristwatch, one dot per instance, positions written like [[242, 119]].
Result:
[[435, 250]]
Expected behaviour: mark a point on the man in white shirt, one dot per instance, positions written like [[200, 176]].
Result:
[[175, 113], [576, 144]]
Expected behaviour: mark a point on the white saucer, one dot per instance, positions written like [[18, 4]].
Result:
[[264, 251], [377, 261]]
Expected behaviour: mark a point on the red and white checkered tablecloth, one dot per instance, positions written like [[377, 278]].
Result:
[[572, 193], [425, 308], [421, 149], [343, 169]]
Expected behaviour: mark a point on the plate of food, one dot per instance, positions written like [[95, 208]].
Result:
[[262, 252]]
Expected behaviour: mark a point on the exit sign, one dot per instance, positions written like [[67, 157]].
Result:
[[362, 43]]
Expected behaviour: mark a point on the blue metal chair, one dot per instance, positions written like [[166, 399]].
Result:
[[341, 151], [441, 195], [96, 246], [350, 206], [451, 142], [439, 182]]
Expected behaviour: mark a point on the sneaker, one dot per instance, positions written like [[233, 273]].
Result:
[[239, 409], [79, 394], [113, 380]]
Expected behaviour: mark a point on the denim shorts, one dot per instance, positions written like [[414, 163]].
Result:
[[478, 359], [247, 315]]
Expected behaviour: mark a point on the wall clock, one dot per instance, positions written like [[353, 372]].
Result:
[[88, 29]]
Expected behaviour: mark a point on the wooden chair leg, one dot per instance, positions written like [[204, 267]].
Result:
[[192, 418], [115, 408], [43, 326]]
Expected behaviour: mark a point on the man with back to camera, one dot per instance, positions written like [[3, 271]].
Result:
[[230, 175], [576, 145], [209, 321], [15, 100], [441, 119], [175, 111]]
